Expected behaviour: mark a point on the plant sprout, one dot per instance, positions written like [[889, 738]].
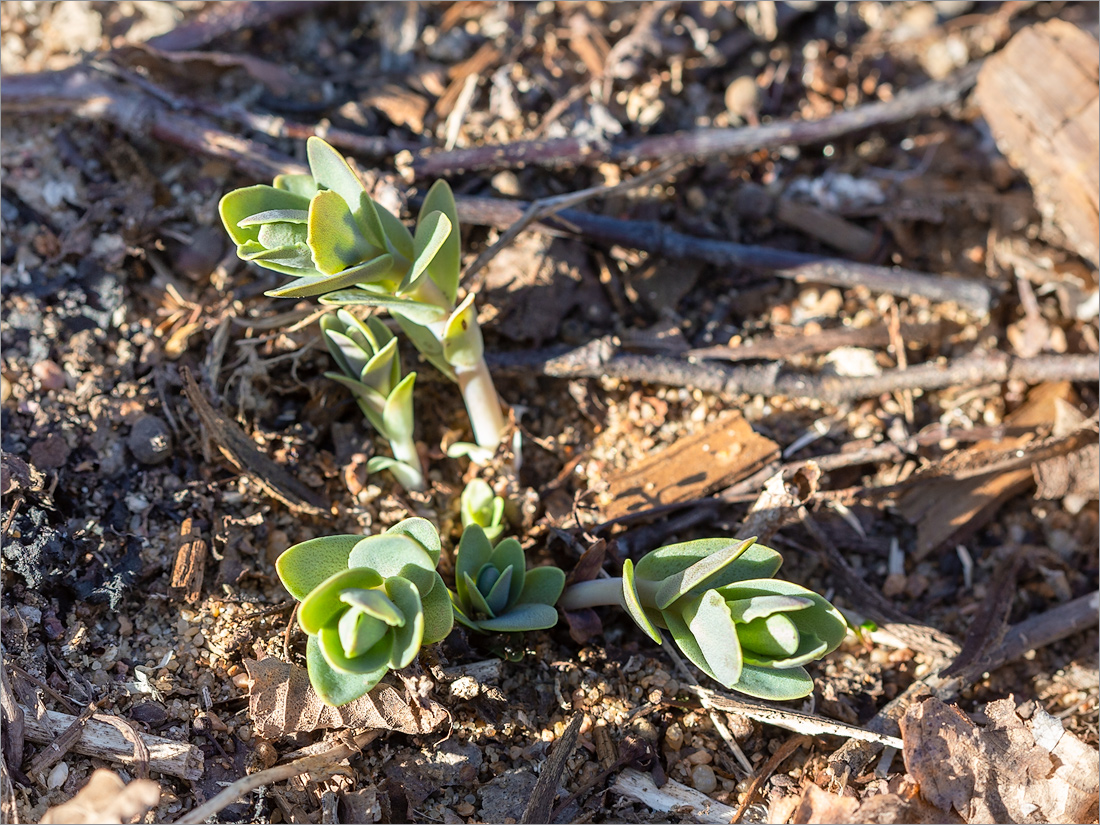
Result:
[[494, 590], [371, 369], [368, 604], [717, 598], [481, 506], [325, 231]]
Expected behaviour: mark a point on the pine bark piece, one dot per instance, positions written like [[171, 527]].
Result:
[[1040, 97], [187, 573], [104, 741], [726, 451]]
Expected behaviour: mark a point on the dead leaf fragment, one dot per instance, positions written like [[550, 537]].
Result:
[[282, 701], [106, 799], [1072, 476], [819, 806], [1013, 770]]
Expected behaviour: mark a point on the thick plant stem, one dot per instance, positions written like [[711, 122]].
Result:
[[482, 404], [411, 475], [605, 592]]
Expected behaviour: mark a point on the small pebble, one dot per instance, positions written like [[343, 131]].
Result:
[[150, 440], [674, 737], [58, 775], [5, 389], [51, 376], [742, 97], [703, 779]]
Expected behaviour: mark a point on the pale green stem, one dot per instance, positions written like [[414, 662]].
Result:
[[599, 592], [405, 451], [482, 404]]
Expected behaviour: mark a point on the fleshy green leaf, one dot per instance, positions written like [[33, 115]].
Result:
[[426, 343], [415, 310], [476, 503], [439, 618], [757, 562], [542, 585], [241, 204], [323, 604], [463, 345], [373, 270], [487, 576], [334, 237], [709, 621], [374, 603], [497, 597], [398, 238], [633, 603], [335, 688], [422, 531], [681, 583], [473, 553], [407, 476], [275, 216], [291, 260], [821, 619], [685, 640], [303, 185], [521, 618], [398, 413], [475, 600], [768, 638], [383, 370], [810, 648], [509, 553], [331, 171], [431, 233], [393, 554], [360, 632], [408, 638], [774, 685], [371, 661], [747, 610], [460, 615], [304, 566], [446, 266]]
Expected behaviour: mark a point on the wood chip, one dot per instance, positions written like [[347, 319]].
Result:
[[187, 572], [242, 453], [724, 452], [1039, 95]]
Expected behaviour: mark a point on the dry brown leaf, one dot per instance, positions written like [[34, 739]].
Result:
[[1076, 475], [282, 701], [106, 799], [1012, 770], [819, 806]]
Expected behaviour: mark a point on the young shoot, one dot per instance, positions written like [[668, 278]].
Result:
[[325, 231]]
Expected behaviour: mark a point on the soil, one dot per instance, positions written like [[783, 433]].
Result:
[[117, 278]]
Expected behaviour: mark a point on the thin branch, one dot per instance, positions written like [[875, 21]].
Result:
[[603, 358], [658, 239], [226, 18], [325, 762], [700, 144]]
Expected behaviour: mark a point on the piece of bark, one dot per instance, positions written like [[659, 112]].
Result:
[[104, 741], [725, 451], [106, 799], [688, 803], [1039, 95], [1013, 770], [819, 806], [780, 501], [542, 797], [242, 453], [948, 510], [187, 572], [11, 732], [282, 701], [1075, 476]]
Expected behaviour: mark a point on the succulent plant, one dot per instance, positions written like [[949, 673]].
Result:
[[481, 506], [718, 600], [496, 593], [326, 231], [367, 604], [370, 367]]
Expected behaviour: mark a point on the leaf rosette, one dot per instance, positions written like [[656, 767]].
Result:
[[481, 506], [746, 630], [496, 593], [367, 604]]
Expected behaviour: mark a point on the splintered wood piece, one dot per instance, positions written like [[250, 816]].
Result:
[[726, 451], [187, 573], [948, 509], [1039, 95], [242, 453], [104, 741]]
